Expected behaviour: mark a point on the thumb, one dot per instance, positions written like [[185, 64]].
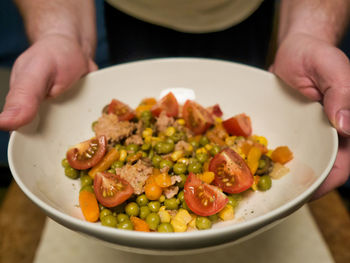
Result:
[[28, 87], [332, 77]]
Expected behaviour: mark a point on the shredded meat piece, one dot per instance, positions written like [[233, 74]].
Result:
[[134, 139], [136, 175], [171, 191], [182, 146], [163, 122], [175, 179], [112, 128]]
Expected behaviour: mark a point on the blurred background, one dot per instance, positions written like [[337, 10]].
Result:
[[13, 42]]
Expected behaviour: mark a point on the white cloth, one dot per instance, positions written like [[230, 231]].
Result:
[[193, 16]]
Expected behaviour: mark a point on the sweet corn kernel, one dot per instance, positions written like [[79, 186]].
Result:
[[123, 155], [170, 131], [208, 147], [228, 213], [260, 139], [162, 199], [176, 155], [230, 140], [207, 177], [182, 122], [201, 150], [164, 216], [178, 226], [189, 148], [147, 133], [163, 207], [192, 223], [218, 120], [269, 152], [148, 139]]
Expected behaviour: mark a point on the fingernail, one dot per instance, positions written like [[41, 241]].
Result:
[[343, 121]]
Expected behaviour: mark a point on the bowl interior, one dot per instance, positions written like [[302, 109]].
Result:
[[276, 111]]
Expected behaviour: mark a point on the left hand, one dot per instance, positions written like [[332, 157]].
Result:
[[321, 72]]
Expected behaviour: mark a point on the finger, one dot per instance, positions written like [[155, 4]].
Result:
[[340, 171], [29, 83], [332, 78]]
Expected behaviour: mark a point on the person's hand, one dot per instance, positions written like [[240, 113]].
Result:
[[321, 72], [46, 69]]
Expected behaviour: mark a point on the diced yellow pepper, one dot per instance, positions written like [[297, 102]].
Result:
[[183, 160], [253, 159], [182, 122], [230, 140], [147, 132], [260, 139], [123, 155], [192, 223], [208, 146], [176, 155], [181, 220], [164, 215], [170, 131], [218, 120], [227, 213], [207, 177], [201, 150], [269, 152], [178, 226]]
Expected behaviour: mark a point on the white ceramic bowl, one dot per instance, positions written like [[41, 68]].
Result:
[[277, 112]]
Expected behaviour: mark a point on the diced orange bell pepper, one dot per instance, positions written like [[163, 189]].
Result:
[[282, 154], [139, 224], [89, 206], [253, 159]]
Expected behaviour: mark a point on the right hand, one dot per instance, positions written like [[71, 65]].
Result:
[[46, 69]]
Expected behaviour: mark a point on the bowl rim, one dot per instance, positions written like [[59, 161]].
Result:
[[270, 216]]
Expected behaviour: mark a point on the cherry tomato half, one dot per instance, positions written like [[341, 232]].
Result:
[[111, 190], [168, 104], [239, 125], [215, 110], [197, 118], [202, 198], [88, 153], [232, 174], [123, 111]]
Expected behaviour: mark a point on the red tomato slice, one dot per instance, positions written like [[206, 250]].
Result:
[[232, 174], [215, 110], [168, 104], [111, 190], [202, 198], [197, 118], [88, 153], [123, 111], [239, 125]]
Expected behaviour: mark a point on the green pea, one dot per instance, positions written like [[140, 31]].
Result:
[[117, 164], [65, 163], [71, 172], [86, 180], [154, 206], [146, 146], [164, 147], [171, 204], [144, 154], [156, 161], [142, 200], [180, 168], [214, 150], [192, 161], [169, 140], [83, 173], [126, 225], [213, 218], [203, 222], [183, 181], [195, 167], [264, 183], [177, 136], [118, 147], [146, 115], [132, 209], [203, 140], [202, 157], [165, 228], [153, 220], [105, 212], [185, 206], [112, 171], [232, 201], [151, 154], [122, 218], [109, 220], [165, 163], [181, 196], [132, 148], [144, 212], [93, 124], [88, 188]]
